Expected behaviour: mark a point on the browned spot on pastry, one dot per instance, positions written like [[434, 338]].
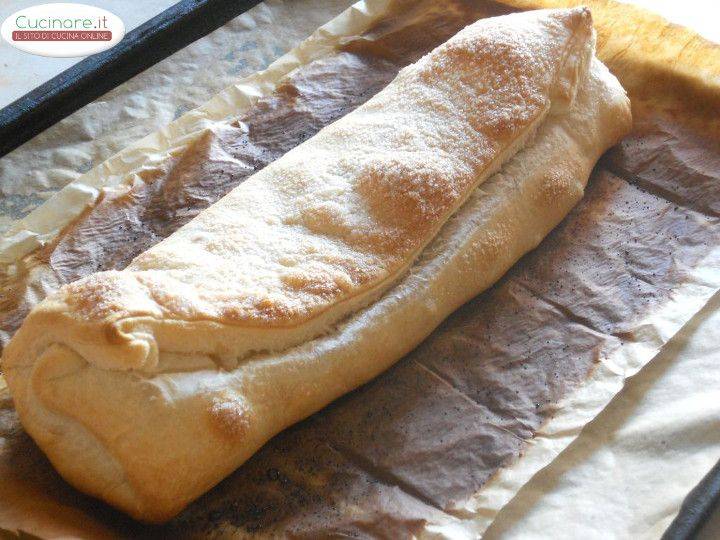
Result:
[[273, 307], [233, 312], [411, 196], [96, 297], [251, 308], [230, 417], [321, 284], [561, 182]]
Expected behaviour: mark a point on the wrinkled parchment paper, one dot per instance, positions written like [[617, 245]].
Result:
[[628, 472], [151, 100], [444, 439]]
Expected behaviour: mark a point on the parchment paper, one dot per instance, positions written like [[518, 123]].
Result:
[[628, 472], [434, 444], [150, 101]]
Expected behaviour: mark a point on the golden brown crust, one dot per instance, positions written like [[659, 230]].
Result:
[[151, 405], [229, 416], [324, 230]]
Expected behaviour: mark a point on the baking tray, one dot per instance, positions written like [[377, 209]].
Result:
[[158, 38], [697, 508]]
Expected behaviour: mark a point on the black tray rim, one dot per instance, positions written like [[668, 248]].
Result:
[[90, 78]]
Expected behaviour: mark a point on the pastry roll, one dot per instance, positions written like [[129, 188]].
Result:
[[147, 386]]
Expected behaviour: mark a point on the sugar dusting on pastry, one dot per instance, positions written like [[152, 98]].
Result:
[[354, 205]]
